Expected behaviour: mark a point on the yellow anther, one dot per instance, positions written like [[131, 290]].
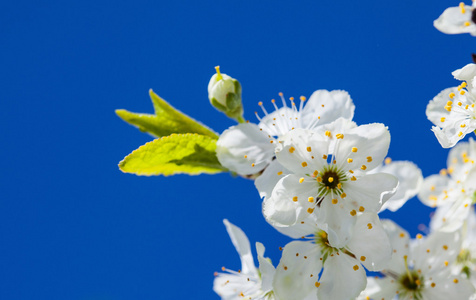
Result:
[[301, 180], [280, 173], [361, 209], [343, 195], [351, 172], [460, 133], [302, 98], [270, 142], [459, 103], [449, 103], [452, 95], [252, 165], [418, 282], [466, 107], [324, 156], [354, 149], [308, 149], [419, 236], [443, 172], [369, 226], [427, 250], [349, 160], [455, 280], [295, 198], [353, 178], [317, 284], [334, 201], [445, 247], [433, 284], [339, 136], [402, 235], [328, 133], [319, 179], [310, 210], [432, 188], [369, 158], [463, 9], [330, 179], [356, 267], [339, 185], [363, 258], [353, 212], [464, 84], [310, 199], [446, 263], [433, 197], [462, 92], [315, 173], [443, 119], [388, 160], [292, 149], [304, 164], [364, 167], [260, 103]]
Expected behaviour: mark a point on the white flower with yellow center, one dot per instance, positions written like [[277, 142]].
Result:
[[329, 177], [452, 191], [248, 148], [420, 270], [461, 19], [249, 283], [453, 110], [299, 271]]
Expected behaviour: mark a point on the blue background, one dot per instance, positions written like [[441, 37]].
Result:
[[72, 226]]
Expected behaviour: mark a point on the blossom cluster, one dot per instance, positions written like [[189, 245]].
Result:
[[324, 179]]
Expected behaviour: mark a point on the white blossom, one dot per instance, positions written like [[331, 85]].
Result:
[[314, 266], [453, 110], [461, 19], [249, 283], [330, 178], [420, 269], [248, 148]]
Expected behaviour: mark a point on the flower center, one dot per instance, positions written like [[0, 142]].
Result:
[[411, 281], [330, 179]]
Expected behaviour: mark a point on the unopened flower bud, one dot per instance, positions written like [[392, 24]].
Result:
[[224, 93]]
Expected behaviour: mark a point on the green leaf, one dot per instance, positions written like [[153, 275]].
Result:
[[167, 120], [189, 153]]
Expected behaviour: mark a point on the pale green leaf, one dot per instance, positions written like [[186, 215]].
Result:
[[175, 154], [167, 120]]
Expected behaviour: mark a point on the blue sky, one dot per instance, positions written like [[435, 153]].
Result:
[[72, 226]]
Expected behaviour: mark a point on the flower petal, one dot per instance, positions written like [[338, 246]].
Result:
[[371, 141], [289, 203], [371, 191], [266, 269], [370, 243], [338, 270], [337, 221], [241, 146], [266, 182], [326, 107], [242, 245], [298, 271]]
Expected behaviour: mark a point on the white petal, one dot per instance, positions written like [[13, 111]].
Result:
[[435, 110], [400, 241], [336, 221], [266, 269], [372, 142], [467, 73], [410, 180], [298, 271], [432, 190], [452, 21], [370, 243], [448, 289], [243, 145], [371, 191], [304, 228], [329, 106], [266, 182], [432, 252], [379, 288], [280, 209], [293, 150], [338, 270], [242, 245], [451, 216]]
